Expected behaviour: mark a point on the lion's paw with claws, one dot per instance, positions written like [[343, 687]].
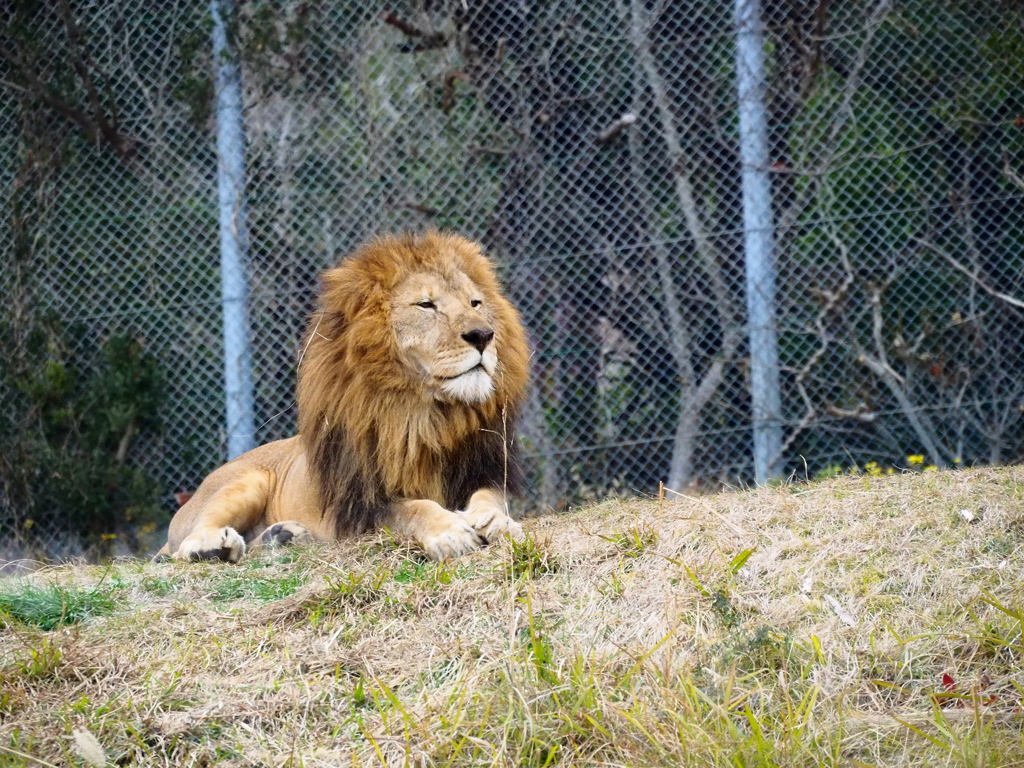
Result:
[[491, 523], [217, 544], [457, 539], [286, 533]]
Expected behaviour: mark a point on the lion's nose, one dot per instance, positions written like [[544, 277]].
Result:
[[479, 337]]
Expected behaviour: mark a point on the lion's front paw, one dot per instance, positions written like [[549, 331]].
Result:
[[288, 532], [455, 540], [217, 544], [491, 523]]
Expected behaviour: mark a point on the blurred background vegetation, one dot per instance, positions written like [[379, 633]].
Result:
[[897, 131]]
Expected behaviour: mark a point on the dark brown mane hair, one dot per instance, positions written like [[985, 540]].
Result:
[[369, 435]]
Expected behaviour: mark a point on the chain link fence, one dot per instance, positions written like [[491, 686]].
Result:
[[593, 148]]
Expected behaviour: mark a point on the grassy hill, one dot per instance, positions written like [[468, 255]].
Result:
[[854, 621]]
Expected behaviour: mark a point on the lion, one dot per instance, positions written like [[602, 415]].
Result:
[[412, 377]]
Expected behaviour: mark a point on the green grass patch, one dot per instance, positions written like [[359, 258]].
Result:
[[49, 606], [249, 586], [414, 571], [528, 559], [158, 586], [633, 541], [40, 663]]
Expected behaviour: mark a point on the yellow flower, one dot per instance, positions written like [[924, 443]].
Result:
[[916, 459], [930, 468]]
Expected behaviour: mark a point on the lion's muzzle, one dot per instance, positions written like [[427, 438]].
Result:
[[473, 386], [479, 338]]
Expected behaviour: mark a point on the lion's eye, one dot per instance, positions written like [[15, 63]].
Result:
[[426, 304], [475, 303]]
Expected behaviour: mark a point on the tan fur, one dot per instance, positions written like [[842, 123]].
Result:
[[406, 412]]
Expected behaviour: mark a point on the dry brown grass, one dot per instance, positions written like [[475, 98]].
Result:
[[856, 621]]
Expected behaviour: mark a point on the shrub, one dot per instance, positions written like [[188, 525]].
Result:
[[66, 434]]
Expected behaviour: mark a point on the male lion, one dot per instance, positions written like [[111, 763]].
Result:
[[413, 373]]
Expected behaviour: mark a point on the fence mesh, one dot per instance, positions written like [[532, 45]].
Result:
[[593, 148]]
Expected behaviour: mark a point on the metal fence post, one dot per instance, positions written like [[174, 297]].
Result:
[[238, 379], [759, 243]]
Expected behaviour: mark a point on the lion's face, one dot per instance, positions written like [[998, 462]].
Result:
[[444, 330]]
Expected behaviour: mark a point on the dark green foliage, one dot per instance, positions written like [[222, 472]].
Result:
[[724, 609], [194, 87], [64, 446]]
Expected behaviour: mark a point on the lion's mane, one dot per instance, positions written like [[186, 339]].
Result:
[[370, 433]]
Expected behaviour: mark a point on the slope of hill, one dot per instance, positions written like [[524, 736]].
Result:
[[855, 621]]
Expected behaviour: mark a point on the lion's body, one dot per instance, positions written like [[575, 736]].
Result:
[[413, 374], [277, 479]]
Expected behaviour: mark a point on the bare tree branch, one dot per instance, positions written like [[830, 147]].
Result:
[[93, 122], [1004, 297], [427, 40], [695, 393], [830, 146], [813, 64], [845, 111], [1012, 176], [913, 415], [45, 94], [879, 365], [401, 24], [832, 299], [616, 127], [640, 22]]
